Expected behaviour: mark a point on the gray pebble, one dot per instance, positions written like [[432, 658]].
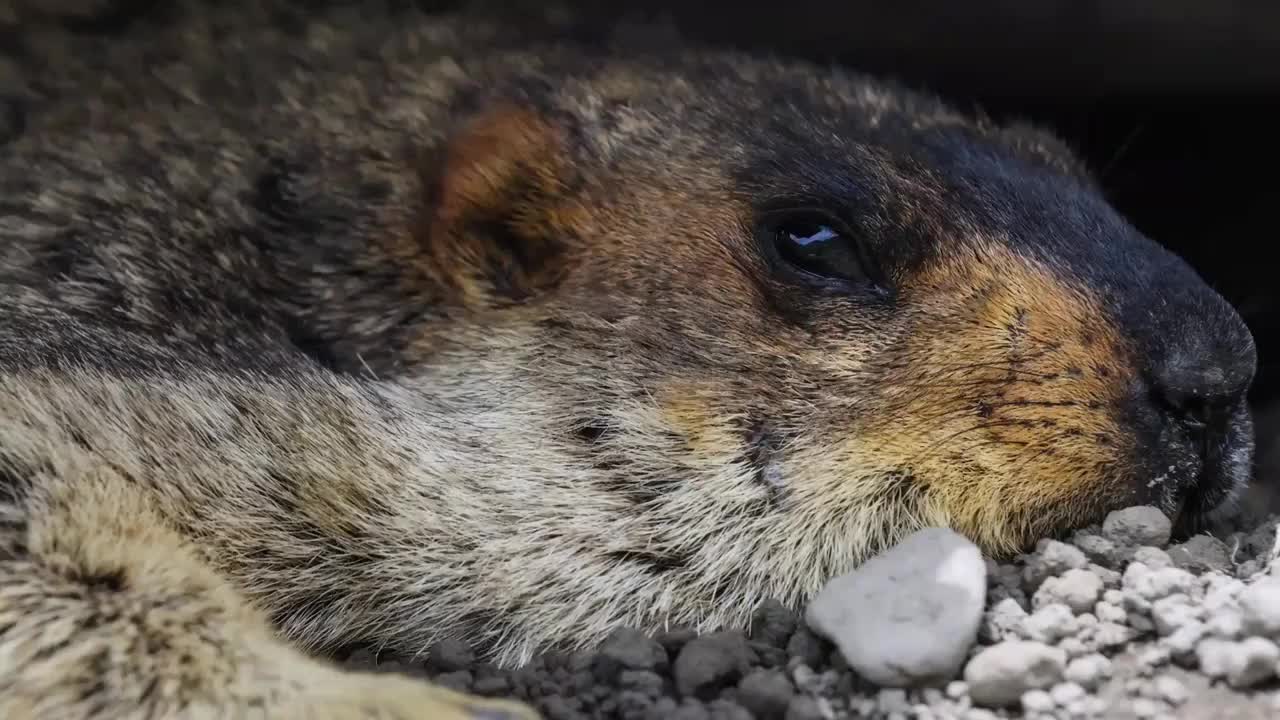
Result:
[[1097, 548], [957, 689], [1050, 624], [1108, 612], [1066, 692], [710, 662], [1000, 674], [1170, 689], [1037, 701], [1226, 623], [766, 693], [627, 649], [1184, 639], [1152, 557], [1137, 526], [1243, 664], [1051, 558], [1172, 612], [803, 707], [1151, 585], [1003, 621], [1076, 588], [892, 700], [1201, 553], [910, 614], [1146, 708], [450, 655], [1260, 607]]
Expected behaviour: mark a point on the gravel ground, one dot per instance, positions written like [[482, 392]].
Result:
[[1111, 622]]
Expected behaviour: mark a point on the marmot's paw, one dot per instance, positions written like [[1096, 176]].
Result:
[[400, 698]]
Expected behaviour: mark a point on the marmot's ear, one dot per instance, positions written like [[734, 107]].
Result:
[[498, 214]]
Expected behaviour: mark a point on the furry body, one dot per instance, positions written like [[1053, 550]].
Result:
[[373, 326]]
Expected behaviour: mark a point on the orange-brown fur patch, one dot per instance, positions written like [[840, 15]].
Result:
[[1004, 410]]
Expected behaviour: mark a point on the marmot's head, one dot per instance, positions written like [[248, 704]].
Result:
[[763, 319]]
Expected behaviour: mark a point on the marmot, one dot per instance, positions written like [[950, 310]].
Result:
[[380, 326]]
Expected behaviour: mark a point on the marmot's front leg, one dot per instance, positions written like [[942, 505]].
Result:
[[107, 612]]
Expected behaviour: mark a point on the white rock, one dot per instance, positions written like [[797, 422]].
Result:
[[957, 689], [1066, 693], [1170, 689], [1172, 612], [1108, 612], [1003, 621], [1077, 589], [1156, 584], [1111, 635], [1145, 708], [1152, 557], [1137, 526], [1183, 640], [1244, 663], [1037, 701], [1050, 624], [999, 675], [1052, 557], [1227, 623], [1260, 607], [910, 614]]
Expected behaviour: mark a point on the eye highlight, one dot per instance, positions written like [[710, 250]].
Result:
[[816, 246]]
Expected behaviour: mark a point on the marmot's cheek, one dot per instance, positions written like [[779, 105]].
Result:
[[1005, 407]]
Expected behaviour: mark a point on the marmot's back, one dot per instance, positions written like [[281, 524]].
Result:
[[526, 343]]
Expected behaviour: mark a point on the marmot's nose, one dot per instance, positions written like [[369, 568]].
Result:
[[1202, 388]]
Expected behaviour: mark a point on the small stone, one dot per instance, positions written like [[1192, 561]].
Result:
[[766, 693], [803, 707], [980, 714], [1170, 689], [772, 623], [1037, 701], [1107, 612], [1172, 612], [1152, 557], [1111, 635], [1156, 584], [1077, 589], [1200, 554], [1066, 692], [1137, 526], [910, 614], [1051, 557], [892, 700], [999, 675], [1096, 548], [710, 662], [450, 655], [1145, 708], [1227, 623], [1260, 607], [627, 649], [1243, 664], [1003, 621], [806, 646], [1074, 647], [1050, 624], [957, 689], [1183, 640]]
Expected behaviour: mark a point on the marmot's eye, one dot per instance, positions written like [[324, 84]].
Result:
[[816, 245]]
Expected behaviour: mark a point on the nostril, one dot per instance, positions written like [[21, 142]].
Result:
[[1194, 410]]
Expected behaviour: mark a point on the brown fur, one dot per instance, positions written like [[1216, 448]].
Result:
[[372, 326]]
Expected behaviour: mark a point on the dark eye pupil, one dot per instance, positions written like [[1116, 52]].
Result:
[[819, 249]]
